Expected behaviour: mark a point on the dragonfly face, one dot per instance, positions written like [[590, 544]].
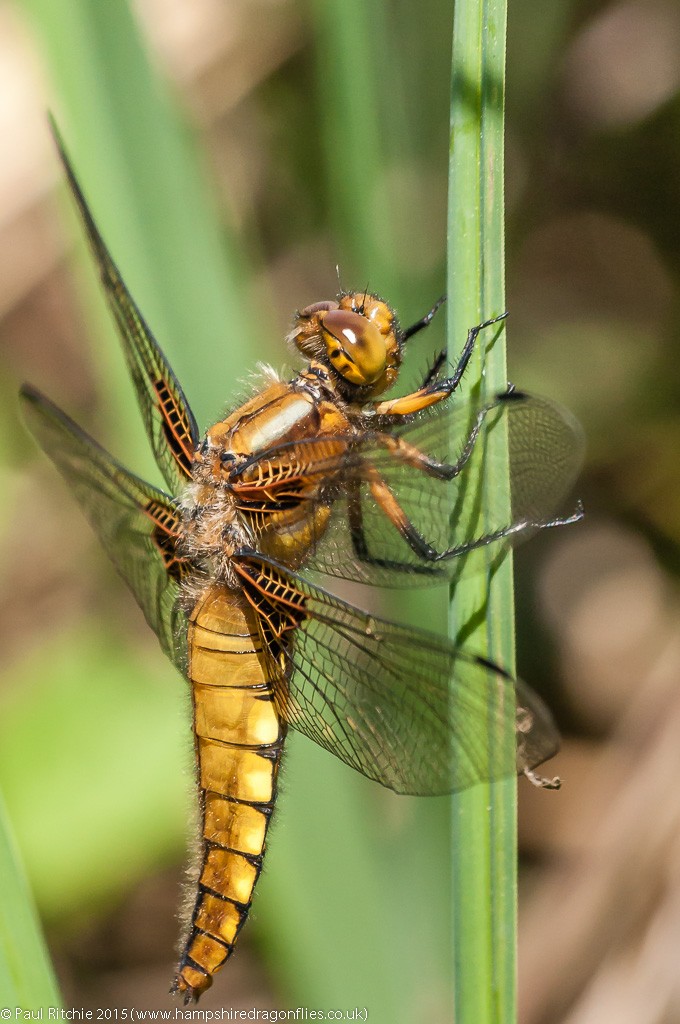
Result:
[[314, 473], [357, 336]]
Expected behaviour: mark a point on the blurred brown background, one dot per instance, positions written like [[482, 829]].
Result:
[[593, 222]]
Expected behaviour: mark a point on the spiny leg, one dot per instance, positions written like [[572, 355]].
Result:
[[434, 390], [434, 370], [391, 508], [412, 456], [360, 545], [452, 382], [424, 321]]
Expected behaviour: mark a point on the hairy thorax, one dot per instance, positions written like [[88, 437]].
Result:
[[212, 528]]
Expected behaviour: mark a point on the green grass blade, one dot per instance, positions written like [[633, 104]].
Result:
[[143, 177], [484, 819], [352, 77], [26, 978]]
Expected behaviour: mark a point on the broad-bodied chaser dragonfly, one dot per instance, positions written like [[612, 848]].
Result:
[[314, 474]]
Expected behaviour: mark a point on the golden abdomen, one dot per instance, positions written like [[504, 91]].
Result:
[[239, 739]]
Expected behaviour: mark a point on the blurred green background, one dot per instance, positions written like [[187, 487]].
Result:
[[234, 155]]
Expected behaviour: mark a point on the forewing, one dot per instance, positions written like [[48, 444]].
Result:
[[168, 420], [402, 706], [137, 524], [545, 450]]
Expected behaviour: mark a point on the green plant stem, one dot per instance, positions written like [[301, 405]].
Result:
[[26, 978], [484, 880]]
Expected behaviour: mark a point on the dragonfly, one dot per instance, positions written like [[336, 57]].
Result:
[[314, 477]]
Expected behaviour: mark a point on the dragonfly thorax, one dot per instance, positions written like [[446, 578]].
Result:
[[212, 528]]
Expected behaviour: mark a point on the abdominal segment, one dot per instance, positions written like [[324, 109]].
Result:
[[239, 739]]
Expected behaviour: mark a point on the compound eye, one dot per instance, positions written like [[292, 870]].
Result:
[[355, 347], [318, 307]]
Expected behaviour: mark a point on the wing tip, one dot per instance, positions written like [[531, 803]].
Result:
[[60, 146], [30, 394], [32, 398]]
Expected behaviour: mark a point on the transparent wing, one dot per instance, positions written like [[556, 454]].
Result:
[[137, 524], [402, 706], [365, 540], [168, 419]]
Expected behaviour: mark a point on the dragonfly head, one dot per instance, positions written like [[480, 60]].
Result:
[[357, 336]]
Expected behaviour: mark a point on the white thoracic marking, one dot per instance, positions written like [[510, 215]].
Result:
[[270, 433]]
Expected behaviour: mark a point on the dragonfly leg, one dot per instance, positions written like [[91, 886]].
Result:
[[434, 370], [360, 544], [424, 321], [389, 505], [434, 390], [414, 457]]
